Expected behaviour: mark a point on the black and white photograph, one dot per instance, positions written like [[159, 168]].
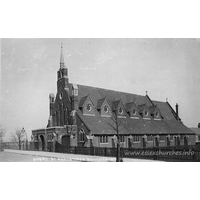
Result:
[[99, 99], [93, 99]]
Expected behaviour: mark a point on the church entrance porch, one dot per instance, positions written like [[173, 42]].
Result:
[[65, 140], [42, 143]]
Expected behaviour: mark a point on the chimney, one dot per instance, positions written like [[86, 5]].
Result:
[[177, 112], [198, 125]]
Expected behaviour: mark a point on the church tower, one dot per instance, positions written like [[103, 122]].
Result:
[[62, 74]]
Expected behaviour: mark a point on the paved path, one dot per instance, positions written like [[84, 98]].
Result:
[[49, 156]]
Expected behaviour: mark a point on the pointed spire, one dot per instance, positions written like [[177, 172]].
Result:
[[62, 62]]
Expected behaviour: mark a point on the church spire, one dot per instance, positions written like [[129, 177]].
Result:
[[62, 62]]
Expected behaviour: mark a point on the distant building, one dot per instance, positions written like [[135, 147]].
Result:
[[197, 131], [83, 116]]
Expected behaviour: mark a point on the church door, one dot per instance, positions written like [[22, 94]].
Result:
[[42, 142], [66, 140]]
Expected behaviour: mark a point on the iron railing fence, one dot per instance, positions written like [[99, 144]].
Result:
[[170, 154], [16, 145], [162, 154]]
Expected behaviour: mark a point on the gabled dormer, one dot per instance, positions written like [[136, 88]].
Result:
[[132, 110], [118, 106], [104, 108], [144, 111], [155, 112], [86, 106]]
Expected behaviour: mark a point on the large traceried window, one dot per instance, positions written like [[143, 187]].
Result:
[[81, 135]]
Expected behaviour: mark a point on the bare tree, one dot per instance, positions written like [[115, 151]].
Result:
[[2, 134], [117, 126], [18, 137]]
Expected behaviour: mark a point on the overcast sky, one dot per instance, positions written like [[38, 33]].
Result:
[[166, 68]]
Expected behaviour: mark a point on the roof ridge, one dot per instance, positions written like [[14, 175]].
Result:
[[110, 90], [149, 99], [173, 111]]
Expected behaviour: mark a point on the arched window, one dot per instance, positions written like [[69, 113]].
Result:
[[134, 112], [61, 95], [89, 107], [105, 109], [120, 110], [146, 113], [157, 114], [81, 135]]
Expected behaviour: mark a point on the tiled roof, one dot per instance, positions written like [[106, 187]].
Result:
[[99, 93], [141, 107], [115, 104], [101, 125], [82, 101], [100, 102], [165, 110], [129, 106], [196, 130], [152, 109], [104, 125]]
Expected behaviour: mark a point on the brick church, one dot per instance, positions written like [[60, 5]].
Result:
[[88, 116]]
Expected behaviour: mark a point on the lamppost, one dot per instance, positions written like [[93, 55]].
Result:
[[24, 132]]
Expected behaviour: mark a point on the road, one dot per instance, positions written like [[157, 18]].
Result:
[[13, 157], [10, 155]]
